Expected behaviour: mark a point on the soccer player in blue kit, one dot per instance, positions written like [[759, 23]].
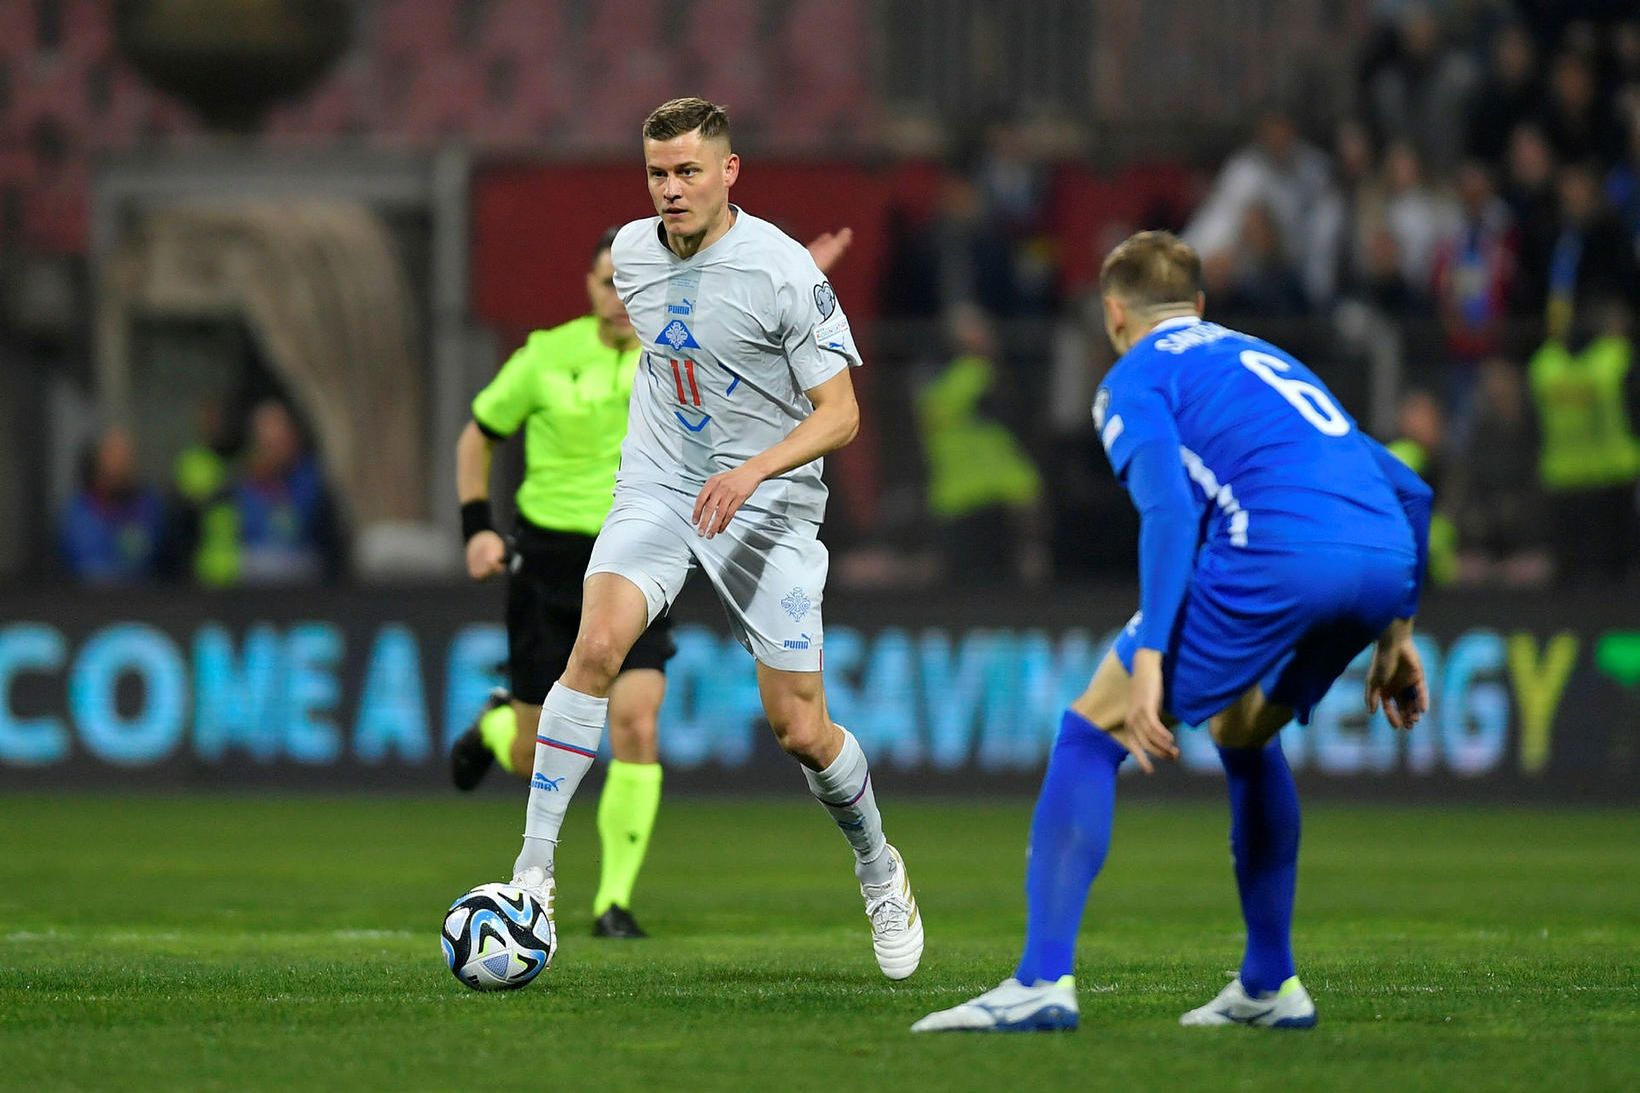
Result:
[[1276, 542]]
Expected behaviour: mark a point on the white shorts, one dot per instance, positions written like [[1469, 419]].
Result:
[[769, 572]]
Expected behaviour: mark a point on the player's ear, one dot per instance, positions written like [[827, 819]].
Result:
[[1201, 303], [731, 168]]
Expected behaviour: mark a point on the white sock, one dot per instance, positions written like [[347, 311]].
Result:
[[845, 789], [572, 724]]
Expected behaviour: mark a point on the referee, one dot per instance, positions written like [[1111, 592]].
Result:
[[568, 389]]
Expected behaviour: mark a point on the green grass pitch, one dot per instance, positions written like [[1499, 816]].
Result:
[[245, 943]]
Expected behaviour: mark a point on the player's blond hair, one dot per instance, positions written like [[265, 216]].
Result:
[[1152, 269], [677, 117]]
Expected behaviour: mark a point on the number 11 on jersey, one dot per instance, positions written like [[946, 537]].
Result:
[[679, 370]]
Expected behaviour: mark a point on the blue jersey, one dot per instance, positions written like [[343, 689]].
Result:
[[1227, 444]]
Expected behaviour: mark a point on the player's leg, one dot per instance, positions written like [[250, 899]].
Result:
[[613, 613], [639, 564], [1264, 836], [1070, 835], [839, 777], [833, 763], [770, 575], [526, 719], [540, 631], [1071, 824], [631, 797]]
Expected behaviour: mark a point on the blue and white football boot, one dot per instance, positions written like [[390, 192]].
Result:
[[1012, 1007], [1290, 1006]]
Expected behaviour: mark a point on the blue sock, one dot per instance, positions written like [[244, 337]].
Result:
[[1264, 842], [1070, 832]]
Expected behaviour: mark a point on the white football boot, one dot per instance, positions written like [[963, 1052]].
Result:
[[1288, 1007], [896, 924], [541, 884], [1013, 1007]]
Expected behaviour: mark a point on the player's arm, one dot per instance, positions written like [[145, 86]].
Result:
[[1169, 522], [1395, 679], [1142, 441], [498, 410], [486, 551], [834, 422]]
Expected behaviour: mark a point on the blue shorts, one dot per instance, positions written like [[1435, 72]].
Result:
[[1289, 623]]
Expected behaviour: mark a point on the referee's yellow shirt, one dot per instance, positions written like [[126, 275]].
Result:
[[569, 391]]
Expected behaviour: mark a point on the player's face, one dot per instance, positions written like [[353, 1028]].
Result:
[[606, 304], [689, 180]]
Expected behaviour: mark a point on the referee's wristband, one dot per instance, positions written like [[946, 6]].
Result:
[[475, 517]]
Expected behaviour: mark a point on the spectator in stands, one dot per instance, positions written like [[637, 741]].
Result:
[[1623, 186], [1294, 180], [1420, 443], [1494, 491], [1587, 392], [1575, 117], [1416, 215], [1508, 95], [1590, 257], [1013, 180], [1355, 172], [1257, 279], [972, 253], [1474, 273], [984, 491], [1420, 92], [205, 518], [1530, 194], [1378, 282], [113, 531], [1625, 82], [287, 529]]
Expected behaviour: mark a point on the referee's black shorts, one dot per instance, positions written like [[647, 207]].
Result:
[[544, 613]]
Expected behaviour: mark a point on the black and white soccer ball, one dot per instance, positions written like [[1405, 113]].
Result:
[[497, 938]]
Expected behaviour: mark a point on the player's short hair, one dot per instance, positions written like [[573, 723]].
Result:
[[679, 116], [1152, 269], [606, 241]]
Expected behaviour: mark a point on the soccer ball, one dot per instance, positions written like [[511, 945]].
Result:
[[497, 938]]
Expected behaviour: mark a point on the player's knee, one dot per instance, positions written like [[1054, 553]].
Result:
[[1230, 733], [637, 727], [801, 733], [633, 736], [598, 655]]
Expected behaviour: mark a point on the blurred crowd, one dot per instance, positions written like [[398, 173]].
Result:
[[244, 506], [1479, 208], [1457, 254]]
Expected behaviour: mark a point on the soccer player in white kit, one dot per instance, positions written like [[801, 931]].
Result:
[[743, 386]]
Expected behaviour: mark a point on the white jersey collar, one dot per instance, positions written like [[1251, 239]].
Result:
[[734, 226]]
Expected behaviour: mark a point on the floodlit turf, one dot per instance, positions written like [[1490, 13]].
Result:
[[214, 942]]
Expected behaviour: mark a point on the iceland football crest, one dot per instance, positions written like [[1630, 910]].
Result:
[[796, 603], [676, 336]]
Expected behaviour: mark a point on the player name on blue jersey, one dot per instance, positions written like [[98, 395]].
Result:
[[1267, 449]]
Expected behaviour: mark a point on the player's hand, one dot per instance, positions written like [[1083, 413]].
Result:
[[1144, 735], [1396, 682], [722, 497], [828, 248], [486, 555]]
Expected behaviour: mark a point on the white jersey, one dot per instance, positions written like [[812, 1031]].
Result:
[[732, 339]]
